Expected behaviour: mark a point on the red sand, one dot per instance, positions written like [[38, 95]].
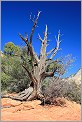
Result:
[[33, 111]]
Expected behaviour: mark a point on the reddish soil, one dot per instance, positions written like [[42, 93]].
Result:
[[34, 111]]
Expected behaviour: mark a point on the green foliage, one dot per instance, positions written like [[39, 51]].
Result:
[[5, 80], [27, 59], [58, 66], [17, 50], [11, 49], [17, 86], [45, 83], [11, 67], [52, 66]]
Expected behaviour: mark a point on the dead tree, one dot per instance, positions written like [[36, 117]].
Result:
[[39, 63]]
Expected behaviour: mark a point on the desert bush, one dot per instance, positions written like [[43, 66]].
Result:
[[57, 87], [73, 92], [54, 87]]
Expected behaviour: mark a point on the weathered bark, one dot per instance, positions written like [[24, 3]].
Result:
[[39, 65], [21, 96]]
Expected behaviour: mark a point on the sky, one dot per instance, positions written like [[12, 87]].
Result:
[[64, 16]]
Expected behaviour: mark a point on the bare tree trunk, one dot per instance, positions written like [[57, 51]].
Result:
[[38, 72]]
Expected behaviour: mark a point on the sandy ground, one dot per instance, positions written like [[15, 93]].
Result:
[[34, 111]]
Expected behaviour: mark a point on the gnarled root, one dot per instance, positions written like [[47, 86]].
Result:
[[21, 96], [27, 95]]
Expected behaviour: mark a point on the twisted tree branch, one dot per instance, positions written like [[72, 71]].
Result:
[[24, 39], [30, 48], [52, 50], [57, 47], [34, 26], [39, 37]]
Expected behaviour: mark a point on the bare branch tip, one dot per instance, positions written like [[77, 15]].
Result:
[[46, 26], [39, 11], [19, 34]]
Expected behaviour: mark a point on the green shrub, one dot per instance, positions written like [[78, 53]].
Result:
[[5, 80], [18, 86], [14, 77]]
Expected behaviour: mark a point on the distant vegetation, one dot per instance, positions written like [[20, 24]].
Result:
[[14, 78], [57, 87]]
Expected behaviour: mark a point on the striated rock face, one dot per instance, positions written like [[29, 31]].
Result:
[[76, 77]]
